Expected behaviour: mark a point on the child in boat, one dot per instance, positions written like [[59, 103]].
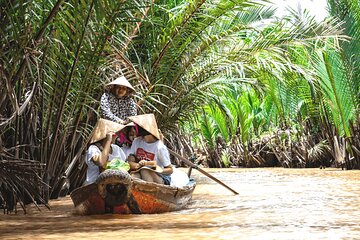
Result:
[[126, 137], [102, 149], [149, 151], [116, 104]]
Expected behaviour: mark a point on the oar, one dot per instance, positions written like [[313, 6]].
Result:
[[190, 164]]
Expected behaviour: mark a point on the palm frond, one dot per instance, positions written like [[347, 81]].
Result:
[[337, 89], [317, 152]]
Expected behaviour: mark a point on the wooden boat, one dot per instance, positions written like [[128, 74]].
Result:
[[115, 191]]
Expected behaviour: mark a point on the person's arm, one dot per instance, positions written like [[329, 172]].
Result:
[[147, 163], [168, 170], [105, 109], [164, 158], [134, 165], [101, 159]]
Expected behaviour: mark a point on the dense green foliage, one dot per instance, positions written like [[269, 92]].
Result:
[[301, 74], [223, 72]]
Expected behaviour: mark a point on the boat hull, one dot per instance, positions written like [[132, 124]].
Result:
[[141, 197]]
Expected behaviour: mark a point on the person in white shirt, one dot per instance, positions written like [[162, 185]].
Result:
[[149, 151], [102, 149]]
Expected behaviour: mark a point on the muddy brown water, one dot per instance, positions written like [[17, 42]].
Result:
[[273, 203]]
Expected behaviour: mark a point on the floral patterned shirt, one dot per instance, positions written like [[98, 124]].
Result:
[[115, 109]]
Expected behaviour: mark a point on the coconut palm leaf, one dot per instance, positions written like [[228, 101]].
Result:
[[220, 116], [337, 90], [20, 183], [208, 130], [56, 56], [316, 152], [349, 13], [58, 49], [186, 41]]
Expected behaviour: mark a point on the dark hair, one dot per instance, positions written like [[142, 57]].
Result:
[[142, 132], [127, 132]]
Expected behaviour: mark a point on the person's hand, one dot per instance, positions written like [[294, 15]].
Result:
[[142, 163], [121, 122], [109, 136], [149, 163]]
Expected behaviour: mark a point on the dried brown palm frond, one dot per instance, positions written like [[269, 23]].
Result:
[[20, 183], [51, 61], [319, 152]]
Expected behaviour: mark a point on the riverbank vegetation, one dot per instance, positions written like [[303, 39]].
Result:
[[228, 81]]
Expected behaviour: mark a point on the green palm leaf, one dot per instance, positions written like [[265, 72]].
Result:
[[337, 89]]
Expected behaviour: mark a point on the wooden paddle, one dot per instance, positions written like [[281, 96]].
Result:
[[190, 164]]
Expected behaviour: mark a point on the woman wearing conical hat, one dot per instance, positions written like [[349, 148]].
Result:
[[149, 158], [102, 149], [116, 103]]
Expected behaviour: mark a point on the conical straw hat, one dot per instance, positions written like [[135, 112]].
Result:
[[147, 122], [103, 127], [121, 81]]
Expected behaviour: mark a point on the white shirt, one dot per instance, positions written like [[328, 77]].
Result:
[[151, 151], [126, 150], [93, 170]]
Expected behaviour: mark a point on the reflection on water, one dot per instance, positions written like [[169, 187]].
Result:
[[273, 203]]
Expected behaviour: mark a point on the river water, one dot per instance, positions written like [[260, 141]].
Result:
[[273, 203]]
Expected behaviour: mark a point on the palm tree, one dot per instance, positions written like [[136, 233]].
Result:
[[273, 61], [342, 83], [52, 64], [56, 56]]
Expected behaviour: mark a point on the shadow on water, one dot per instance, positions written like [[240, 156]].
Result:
[[273, 203]]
